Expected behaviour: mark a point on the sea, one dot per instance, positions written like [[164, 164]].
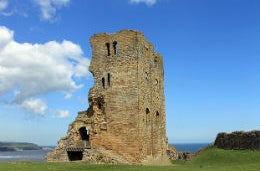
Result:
[[25, 155], [190, 147], [38, 155]]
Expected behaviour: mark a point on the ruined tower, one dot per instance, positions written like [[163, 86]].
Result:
[[125, 121]]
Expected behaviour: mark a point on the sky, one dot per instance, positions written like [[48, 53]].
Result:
[[210, 49]]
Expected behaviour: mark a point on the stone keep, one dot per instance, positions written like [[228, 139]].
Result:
[[125, 121]]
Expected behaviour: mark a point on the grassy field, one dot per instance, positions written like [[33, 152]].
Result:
[[210, 159], [213, 159]]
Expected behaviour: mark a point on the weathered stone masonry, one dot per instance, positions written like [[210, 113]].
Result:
[[125, 121], [239, 140]]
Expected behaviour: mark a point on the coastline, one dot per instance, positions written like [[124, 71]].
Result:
[[38, 155], [190, 147], [18, 146]]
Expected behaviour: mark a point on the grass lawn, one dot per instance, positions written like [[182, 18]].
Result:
[[214, 159], [209, 159]]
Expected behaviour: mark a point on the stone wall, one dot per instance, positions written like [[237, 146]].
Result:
[[172, 153], [125, 121], [239, 140]]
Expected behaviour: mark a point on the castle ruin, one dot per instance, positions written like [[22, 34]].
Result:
[[125, 121]]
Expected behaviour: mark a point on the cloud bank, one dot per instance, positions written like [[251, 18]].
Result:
[[61, 114], [3, 4], [28, 71], [147, 2], [49, 7]]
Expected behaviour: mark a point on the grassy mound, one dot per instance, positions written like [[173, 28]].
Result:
[[212, 158]]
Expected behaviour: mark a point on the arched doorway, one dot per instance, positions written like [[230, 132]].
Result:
[[84, 135], [83, 131]]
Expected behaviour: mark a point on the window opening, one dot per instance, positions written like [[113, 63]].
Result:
[[115, 48], [108, 79], [108, 49], [84, 133], [157, 114], [103, 82], [147, 111], [99, 105], [155, 59], [146, 76]]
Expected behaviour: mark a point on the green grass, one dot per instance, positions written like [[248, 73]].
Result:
[[209, 159], [213, 159], [38, 166]]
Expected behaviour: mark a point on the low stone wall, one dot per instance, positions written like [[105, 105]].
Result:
[[185, 156], [172, 153], [238, 140]]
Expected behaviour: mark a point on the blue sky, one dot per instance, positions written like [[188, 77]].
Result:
[[211, 51]]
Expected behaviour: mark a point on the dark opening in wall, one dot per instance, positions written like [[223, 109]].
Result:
[[147, 111], [108, 79], [115, 48], [99, 105], [103, 82], [146, 76], [75, 155], [157, 114], [84, 133], [108, 49], [156, 60]]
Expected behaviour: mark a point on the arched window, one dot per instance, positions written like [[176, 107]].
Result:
[[156, 60], [108, 49], [115, 48], [147, 111], [157, 115], [103, 82], [84, 133], [146, 76], [99, 105], [108, 79]]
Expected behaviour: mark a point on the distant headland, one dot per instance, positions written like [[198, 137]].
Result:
[[18, 146]]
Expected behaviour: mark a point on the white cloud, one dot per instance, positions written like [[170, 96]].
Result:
[[3, 4], [61, 114], [36, 106], [8, 8], [29, 70], [49, 7], [6, 36], [147, 2]]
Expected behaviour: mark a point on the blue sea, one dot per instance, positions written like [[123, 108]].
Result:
[[26, 155], [190, 147], [38, 155]]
